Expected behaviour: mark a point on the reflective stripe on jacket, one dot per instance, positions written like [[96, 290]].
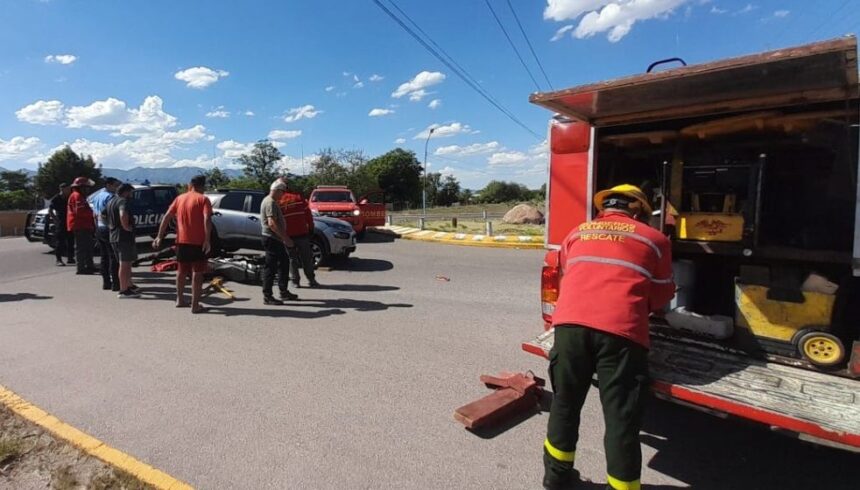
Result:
[[615, 272], [297, 214]]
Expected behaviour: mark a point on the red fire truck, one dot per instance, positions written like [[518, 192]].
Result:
[[337, 201], [754, 164]]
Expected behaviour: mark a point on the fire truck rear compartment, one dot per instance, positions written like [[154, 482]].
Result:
[[785, 179]]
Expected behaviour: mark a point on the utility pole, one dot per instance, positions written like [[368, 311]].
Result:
[[424, 187]]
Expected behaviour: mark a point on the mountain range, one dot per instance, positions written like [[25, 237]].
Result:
[[177, 175]]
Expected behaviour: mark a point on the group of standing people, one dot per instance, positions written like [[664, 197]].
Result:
[[82, 219]]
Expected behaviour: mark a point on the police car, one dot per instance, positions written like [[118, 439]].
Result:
[[149, 203]]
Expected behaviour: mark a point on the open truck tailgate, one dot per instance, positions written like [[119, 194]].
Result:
[[815, 406]]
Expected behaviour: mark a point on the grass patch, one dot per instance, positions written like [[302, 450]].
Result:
[[479, 228], [117, 480], [64, 479], [10, 450]]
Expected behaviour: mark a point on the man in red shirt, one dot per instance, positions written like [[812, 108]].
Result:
[[616, 271], [300, 227], [81, 222], [193, 213]]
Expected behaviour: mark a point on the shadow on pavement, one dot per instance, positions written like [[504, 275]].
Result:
[[349, 304], [710, 453], [358, 264], [6, 298], [378, 237], [363, 288], [285, 311]]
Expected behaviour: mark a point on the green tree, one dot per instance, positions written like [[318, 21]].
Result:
[[432, 183], [215, 178], [498, 191], [326, 169], [64, 166], [20, 199], [249, 183], [466, 196], [262, 164], [398, 174], [449, 191], [14, 181]]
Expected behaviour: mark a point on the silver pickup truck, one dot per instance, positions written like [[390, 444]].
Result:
[[236, 222]]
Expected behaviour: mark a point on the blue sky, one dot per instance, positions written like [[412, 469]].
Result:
[[177, 83]]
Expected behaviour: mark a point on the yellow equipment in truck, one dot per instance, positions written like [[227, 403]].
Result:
[[726, 226], [803, 324]]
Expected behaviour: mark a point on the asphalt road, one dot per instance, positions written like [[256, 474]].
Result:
[[354, 386]]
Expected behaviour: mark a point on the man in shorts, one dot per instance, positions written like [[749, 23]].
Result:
[[193, 213], [120, 225]]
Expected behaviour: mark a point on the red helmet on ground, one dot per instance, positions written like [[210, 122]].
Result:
[[83, 182]]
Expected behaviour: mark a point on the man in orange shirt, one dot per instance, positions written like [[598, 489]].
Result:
[[193, 213], [81, 221]]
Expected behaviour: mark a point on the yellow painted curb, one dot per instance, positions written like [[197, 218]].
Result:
[[90, 444], [451, 238]]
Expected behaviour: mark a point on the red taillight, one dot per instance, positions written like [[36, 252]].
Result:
[[549, 287]]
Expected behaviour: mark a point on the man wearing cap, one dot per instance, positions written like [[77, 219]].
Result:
[[109, 265], [275, 243], [616, 271], [81, 222], [64, 240]]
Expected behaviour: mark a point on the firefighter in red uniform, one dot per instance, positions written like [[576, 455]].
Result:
[[300, 228], [81, 222], [616, 271]]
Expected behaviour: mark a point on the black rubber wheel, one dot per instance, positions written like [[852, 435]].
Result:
[[319, 251]]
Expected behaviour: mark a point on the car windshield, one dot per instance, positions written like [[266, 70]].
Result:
[[333, 196]]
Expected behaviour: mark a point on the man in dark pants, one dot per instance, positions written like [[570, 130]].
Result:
[[300, 228], [108, 264], [82, 223], [64, 241], [616, 270], [275, 243]]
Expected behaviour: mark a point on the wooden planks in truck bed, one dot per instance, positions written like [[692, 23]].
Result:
[[814, 405]]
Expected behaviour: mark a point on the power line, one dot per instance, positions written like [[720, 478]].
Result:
[[511, 42], [450, 65], [529, 43], [828, 19]]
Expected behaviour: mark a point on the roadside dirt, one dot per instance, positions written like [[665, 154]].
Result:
[[31, 458]]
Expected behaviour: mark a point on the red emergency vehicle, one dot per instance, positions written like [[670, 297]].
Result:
[[337, 201], [754, 163]]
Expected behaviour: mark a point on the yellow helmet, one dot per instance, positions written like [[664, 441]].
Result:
[[628, 190]]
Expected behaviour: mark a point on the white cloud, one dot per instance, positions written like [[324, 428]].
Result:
[[355, 78], [718, 11], [400, 141], [376, 78], [200, 77], [113, 115], [507, 158], [250, 113], [443, 131], [347, 73], [280, 134], [18, 147], [747, 9], [42, 112], [435, 103], [303, 112], [219, 112], [465, 151], [63, 59], [781, 13], [417, 95], [415, 87], [234, 149], [380, 112], [358, 85], [616, 17], [329, 88], [184, 136], [561, 32]]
